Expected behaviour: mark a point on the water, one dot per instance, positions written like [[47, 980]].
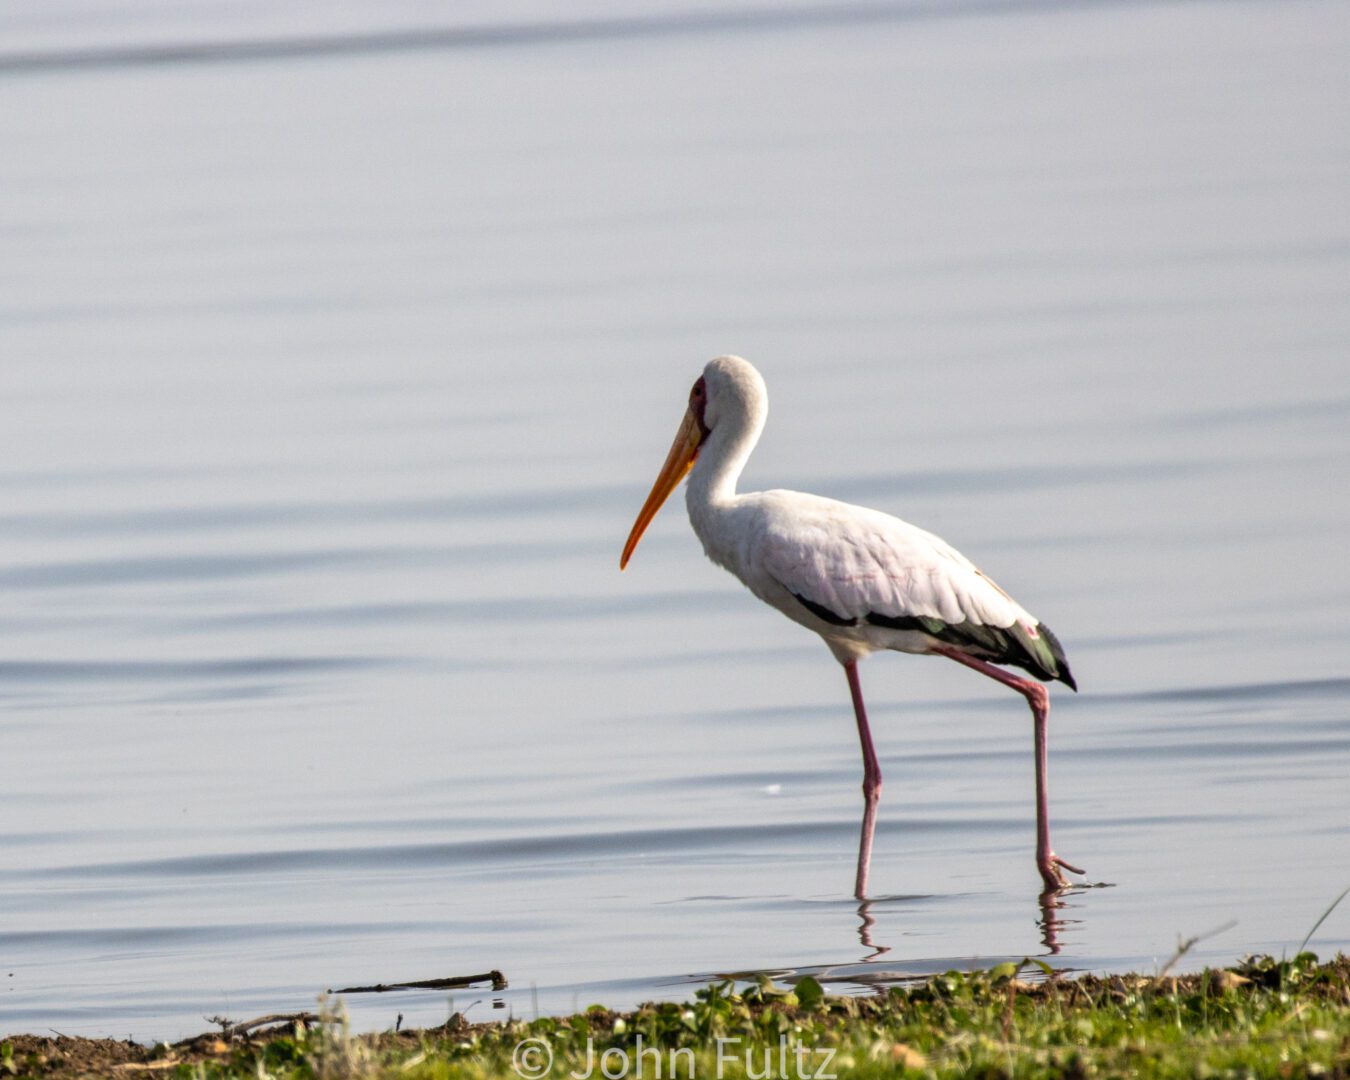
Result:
[[332, 382]]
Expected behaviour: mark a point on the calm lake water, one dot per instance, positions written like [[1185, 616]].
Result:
[[332, 381]]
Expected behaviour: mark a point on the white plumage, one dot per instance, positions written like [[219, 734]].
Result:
[[857, 562], [863, 580]]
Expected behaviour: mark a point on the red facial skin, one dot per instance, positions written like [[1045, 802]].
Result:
[[698, 401]]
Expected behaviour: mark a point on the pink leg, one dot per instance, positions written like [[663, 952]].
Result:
[[1039, 699], [871, 782]]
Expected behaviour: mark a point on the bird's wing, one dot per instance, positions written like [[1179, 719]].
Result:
[[854, 567], [857, 562]]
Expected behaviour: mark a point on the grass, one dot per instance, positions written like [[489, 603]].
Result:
[[1265, 1017]]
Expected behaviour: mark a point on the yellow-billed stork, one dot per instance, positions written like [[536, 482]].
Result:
[[860, 579]]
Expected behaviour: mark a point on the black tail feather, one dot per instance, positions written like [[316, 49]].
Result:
[[1062, 673], [1039, 653]]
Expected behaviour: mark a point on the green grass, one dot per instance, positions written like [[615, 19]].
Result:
[[1288, 1018]]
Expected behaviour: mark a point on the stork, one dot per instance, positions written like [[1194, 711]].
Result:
[[863, 580]]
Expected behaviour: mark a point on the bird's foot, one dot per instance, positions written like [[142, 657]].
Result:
[[1049, 866]]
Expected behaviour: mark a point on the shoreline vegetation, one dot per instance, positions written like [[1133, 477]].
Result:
[[1285, 1018]]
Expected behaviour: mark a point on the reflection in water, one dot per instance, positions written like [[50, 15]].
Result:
[[1051, 901], [866, 922]]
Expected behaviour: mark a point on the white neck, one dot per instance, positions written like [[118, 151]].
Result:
[[711, 494]]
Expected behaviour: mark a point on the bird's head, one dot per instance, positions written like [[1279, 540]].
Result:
[[734, 394], [730, 393]]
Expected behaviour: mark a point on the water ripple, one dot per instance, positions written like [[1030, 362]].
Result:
[[489, 609], [597, 28], [213, 934], [141, 569], [140, 671], [162, 520], [562, 848]]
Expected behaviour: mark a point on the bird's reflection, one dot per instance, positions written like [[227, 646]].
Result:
[[865, 924], [1051, 923], [1051, 902]]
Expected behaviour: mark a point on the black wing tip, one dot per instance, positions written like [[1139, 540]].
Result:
[[1061, 671]]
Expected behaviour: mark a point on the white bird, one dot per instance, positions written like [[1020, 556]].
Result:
[[861, 579]]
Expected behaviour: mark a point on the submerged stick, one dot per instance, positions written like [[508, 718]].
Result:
[[496, 978], [231, 1031], [273, 1018]]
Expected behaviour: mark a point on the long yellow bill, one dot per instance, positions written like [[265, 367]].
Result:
[[679, 461]]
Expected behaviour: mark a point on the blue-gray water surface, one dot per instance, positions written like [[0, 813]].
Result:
[[332, 379]]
